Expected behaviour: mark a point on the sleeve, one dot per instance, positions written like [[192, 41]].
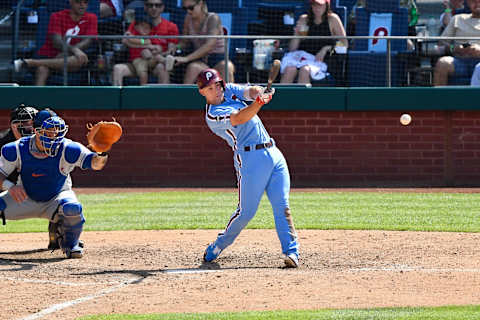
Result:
[[173, 31], [131, 27], [77, 155], [9, 160], [54, 25], [92, 25], [232, 89], [218, 117], [450, 28]]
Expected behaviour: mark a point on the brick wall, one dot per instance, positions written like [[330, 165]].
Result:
[[323, 149]]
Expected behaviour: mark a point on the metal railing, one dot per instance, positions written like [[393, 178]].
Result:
[[227, 38]]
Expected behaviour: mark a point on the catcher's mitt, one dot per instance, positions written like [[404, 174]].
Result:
[[102, 135]]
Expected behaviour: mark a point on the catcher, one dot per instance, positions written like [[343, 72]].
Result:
[[44, 190]]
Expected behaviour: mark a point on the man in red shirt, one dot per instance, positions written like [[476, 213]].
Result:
[[73, 21], [160, 47]]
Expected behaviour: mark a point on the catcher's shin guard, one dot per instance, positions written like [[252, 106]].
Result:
[[72, 226]]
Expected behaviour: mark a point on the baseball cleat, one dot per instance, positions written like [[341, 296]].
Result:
[[75, 253], [291, 260], [211, 253]]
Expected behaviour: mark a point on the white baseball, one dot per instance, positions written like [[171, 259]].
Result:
[[405, 119]]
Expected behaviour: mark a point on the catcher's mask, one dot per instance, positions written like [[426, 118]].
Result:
[[23, 117], [51, 132], [207, 77]]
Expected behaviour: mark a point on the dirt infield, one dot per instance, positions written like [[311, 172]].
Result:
[[162, 271]]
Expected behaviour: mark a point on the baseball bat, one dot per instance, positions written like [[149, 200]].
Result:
[[272, 75]]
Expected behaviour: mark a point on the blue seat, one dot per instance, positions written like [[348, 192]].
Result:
[[367, 67]]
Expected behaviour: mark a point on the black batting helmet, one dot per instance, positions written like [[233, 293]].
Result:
[[207, 77]]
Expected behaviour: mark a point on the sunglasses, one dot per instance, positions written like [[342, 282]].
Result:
[[154, 5], [190, 8], [81, 1]]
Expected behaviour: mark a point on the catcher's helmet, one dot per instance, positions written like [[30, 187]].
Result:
[[51, 129], [22, 116], [207, 77]]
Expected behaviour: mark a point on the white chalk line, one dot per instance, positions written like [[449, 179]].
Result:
[[103, 292], [60, 306]]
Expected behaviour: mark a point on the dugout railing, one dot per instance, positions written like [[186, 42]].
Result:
[[354, 68]]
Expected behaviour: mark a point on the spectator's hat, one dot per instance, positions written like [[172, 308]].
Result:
[[319, 1], [142, 16]]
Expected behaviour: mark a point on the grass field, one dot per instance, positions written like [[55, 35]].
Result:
[[445, 212], [331, 210]]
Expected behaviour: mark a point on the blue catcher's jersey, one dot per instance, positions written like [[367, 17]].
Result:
[[217, 116], [43, 178]]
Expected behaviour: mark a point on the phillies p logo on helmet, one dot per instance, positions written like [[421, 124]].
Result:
[[207, 77]]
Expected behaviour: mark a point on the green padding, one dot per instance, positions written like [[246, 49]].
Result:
[[162, 97], [384, 99], [300, 98], [188, 98], [62, 97]]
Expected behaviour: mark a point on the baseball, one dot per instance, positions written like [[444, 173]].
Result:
[[405, 119]]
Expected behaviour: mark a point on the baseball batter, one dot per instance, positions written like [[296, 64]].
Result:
[[259, 164], [44, 189]]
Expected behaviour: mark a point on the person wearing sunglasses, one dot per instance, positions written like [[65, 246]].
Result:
[[73, 21], [206, 52], [161, 60]]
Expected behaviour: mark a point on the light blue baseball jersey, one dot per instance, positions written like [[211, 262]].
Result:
[[43, 178], [218, 120], [259, 170]]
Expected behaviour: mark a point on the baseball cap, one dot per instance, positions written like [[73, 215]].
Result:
[[42, 116], [207, 77], [319, 1]]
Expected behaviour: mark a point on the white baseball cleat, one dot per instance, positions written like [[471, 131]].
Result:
[[291, 260]]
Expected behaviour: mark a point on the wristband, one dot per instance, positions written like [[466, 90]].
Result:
[[448, 10], [142, 41], [7, 184]]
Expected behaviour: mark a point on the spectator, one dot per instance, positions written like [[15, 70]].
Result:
[[111, 8], [463, 54], [307, 58], [475, 81], [207, 52], [73, 21], [155, 51], [452, 7]]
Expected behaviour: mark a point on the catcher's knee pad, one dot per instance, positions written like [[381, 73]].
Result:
[[72, 214]]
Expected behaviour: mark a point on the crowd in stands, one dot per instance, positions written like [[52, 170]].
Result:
[[305, 61]]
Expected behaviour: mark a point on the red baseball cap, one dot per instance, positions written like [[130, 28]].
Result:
[[319, 1]]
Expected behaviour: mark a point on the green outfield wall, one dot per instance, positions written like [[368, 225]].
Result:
[[331, 137]]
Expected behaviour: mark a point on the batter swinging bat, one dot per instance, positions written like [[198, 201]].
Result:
[[272, 75]]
